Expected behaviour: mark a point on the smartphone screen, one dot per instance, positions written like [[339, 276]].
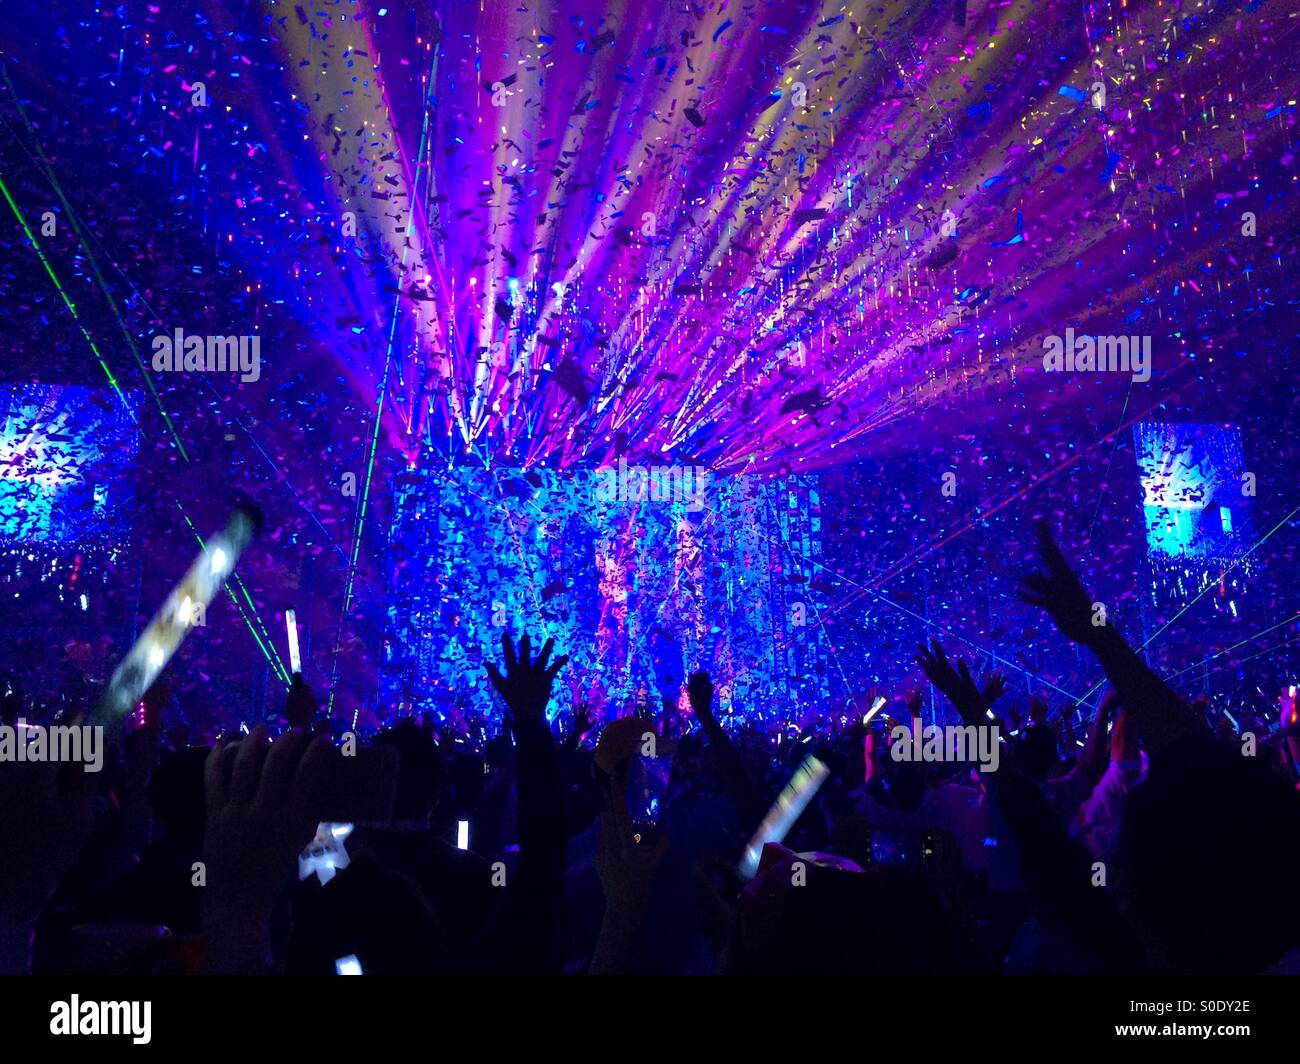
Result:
[[905, 846]]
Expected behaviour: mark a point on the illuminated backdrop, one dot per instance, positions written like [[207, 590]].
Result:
[[781, 238], [639, 593]]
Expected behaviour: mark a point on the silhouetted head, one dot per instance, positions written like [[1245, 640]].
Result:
[[176, 794], [499, 753], [420, 769], [898, 785], [467, 776], [1036, 753], [819, 915]]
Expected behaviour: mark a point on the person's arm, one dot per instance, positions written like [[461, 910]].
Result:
[[627, 869], [1056, 869], [1096, 750], [1069, 793], [581, 725], [1060, 876], [735, 773], [1101, 814], [1161, 716], [261, 801], [974, 704], [523, 938], [1291, 730], [300, 704]]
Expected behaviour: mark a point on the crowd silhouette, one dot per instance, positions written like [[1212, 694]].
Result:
[[1162, 845]]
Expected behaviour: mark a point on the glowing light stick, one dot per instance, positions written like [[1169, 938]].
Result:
[[787, 808], [326, 854], [174, 619], [462, 834], [876, 707], [295, 660]]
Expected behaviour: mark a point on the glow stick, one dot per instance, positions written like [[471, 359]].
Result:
[[348, 965], [876, 707], [174, 619], [291, 623], [325, 854], [462, 834], [787, 808]]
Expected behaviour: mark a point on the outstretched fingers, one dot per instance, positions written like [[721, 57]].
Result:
[[557, 665], [1034, 589], [247, 771], [1052, 555], [311, 778], [216, 791], [278, 771]]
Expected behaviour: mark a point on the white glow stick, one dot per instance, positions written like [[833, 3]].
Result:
[[787, 808], [326, 854], [876, 707], [462, 834], [291, 623], [174, 619]]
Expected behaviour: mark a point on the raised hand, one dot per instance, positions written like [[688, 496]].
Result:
[[526, 685], [1160, 714], [699, 689], [262, 801], [301, 705], [995, 686], [957, 684], [731, 765], [627, 867], [1124, 745], [582, 723], [1059, 590]]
